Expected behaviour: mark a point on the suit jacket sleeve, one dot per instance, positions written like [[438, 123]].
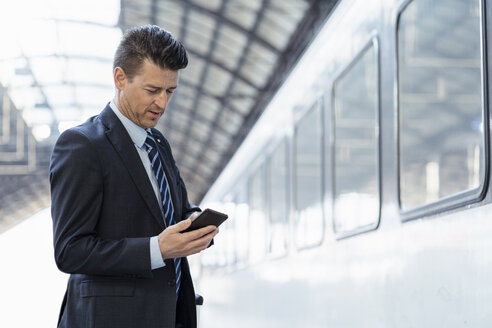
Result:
[[76, 177]]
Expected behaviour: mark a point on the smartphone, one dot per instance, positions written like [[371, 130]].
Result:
[[206, 218]]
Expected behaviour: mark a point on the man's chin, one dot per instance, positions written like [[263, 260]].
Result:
[[151, 123]]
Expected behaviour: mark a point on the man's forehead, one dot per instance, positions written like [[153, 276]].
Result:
[[151, 74]]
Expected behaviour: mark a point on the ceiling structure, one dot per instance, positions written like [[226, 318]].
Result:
[[240, 51]]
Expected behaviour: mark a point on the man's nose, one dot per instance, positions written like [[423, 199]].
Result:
[[161, 100]]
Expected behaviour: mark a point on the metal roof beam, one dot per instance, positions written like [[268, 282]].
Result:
[[313, 20], [221, 66], [239, 66], [220, 17], [203, 77], [220, 98]]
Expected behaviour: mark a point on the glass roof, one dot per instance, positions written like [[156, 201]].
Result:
[[57, 65], [56, 71]]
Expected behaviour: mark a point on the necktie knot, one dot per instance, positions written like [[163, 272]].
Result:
[[150, 142]]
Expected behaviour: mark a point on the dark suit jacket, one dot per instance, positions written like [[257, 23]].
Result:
[[104, 212]]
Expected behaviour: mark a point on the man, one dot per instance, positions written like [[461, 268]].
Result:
[[119, 204]]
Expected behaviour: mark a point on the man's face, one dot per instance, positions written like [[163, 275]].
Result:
[[144, 99]]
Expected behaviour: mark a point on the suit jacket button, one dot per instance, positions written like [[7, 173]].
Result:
[[171, 282]]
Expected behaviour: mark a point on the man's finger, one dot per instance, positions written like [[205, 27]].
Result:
[[181, 225], [201, 243], [199, 233]]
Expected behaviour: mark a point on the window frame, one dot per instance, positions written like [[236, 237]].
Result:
[[258, 168], [317, 105], [282, 143], [465, 197], [373, 42], [241, 191]]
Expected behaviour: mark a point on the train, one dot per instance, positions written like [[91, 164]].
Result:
[[361, 197]]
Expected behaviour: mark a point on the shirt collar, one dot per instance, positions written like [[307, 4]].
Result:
[[137, 133]]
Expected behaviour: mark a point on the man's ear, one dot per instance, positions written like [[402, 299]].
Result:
[[120, 78]]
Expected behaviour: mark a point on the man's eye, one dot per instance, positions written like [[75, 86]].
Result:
[[152, 91], [170, 91]]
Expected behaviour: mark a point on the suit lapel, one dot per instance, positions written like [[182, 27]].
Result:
[[123, 144]]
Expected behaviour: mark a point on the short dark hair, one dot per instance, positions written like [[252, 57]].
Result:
[[149, 42]]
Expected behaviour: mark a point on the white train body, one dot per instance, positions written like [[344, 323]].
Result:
[[361, 196]]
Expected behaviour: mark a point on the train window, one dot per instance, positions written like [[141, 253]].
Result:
[[356, 203], [308, 192], [257, 215], [224, 252], [228, 231], [241, 214], [441, 105], [279, 200]]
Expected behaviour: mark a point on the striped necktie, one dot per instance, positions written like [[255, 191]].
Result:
[[167, 207]]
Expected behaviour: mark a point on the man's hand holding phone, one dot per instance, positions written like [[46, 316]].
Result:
[[190, 236]]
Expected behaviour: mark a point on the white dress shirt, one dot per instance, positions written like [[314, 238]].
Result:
[[138, 136]]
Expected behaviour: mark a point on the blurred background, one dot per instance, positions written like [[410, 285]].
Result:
[[349, 141], [56, 72]]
